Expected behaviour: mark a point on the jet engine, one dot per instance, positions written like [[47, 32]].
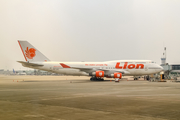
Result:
[[117, 75], [97, 74]]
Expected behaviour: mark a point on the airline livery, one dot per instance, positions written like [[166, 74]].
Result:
[[97, 70]]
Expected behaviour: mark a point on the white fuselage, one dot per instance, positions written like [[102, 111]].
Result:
[[127, 67], [114, 69]]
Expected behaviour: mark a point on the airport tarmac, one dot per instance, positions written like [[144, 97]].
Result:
[[78, 98]]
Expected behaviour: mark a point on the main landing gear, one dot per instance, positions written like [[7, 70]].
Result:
[[135, 78], [96, 79]]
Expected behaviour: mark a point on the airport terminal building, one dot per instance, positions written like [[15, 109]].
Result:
[[168, 67], [172, 68]]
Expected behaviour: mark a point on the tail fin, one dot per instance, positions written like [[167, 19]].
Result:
[[14, 71], [30, 53]]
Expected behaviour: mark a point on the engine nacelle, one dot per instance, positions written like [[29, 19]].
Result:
[[99, 73], [117, 75]]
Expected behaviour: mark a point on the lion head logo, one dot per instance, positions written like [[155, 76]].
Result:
[[30, 53]]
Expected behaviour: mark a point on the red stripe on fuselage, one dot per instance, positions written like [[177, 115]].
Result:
[[64, 66]]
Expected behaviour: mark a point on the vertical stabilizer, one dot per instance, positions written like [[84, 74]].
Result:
[[30, 53]]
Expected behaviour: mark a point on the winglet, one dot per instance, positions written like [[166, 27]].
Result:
[[64, 66]]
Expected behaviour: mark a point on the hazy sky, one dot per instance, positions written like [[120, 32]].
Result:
[[90, 30]]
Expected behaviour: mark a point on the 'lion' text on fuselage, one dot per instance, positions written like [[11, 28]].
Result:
[[130, 66]]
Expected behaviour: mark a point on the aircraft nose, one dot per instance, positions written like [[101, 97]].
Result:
[[161, 68]]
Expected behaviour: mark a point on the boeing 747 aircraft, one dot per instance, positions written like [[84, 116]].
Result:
[[97, 70]]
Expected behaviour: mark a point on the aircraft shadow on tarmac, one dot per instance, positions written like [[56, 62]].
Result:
[[72, 81], [85, 81]]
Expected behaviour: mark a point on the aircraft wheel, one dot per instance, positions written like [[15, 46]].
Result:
[[92, 79], [102, 79]]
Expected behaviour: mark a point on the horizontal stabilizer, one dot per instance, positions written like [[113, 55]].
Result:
[[30, 64]]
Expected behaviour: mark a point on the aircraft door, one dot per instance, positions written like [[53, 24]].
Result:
[[146, 68], [50, 69]]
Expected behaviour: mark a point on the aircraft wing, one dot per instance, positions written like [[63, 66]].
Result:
[[30, 64], [94, 69], [105, 70]]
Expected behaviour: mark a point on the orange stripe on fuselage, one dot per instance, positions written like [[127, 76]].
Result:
[[64, 66]]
